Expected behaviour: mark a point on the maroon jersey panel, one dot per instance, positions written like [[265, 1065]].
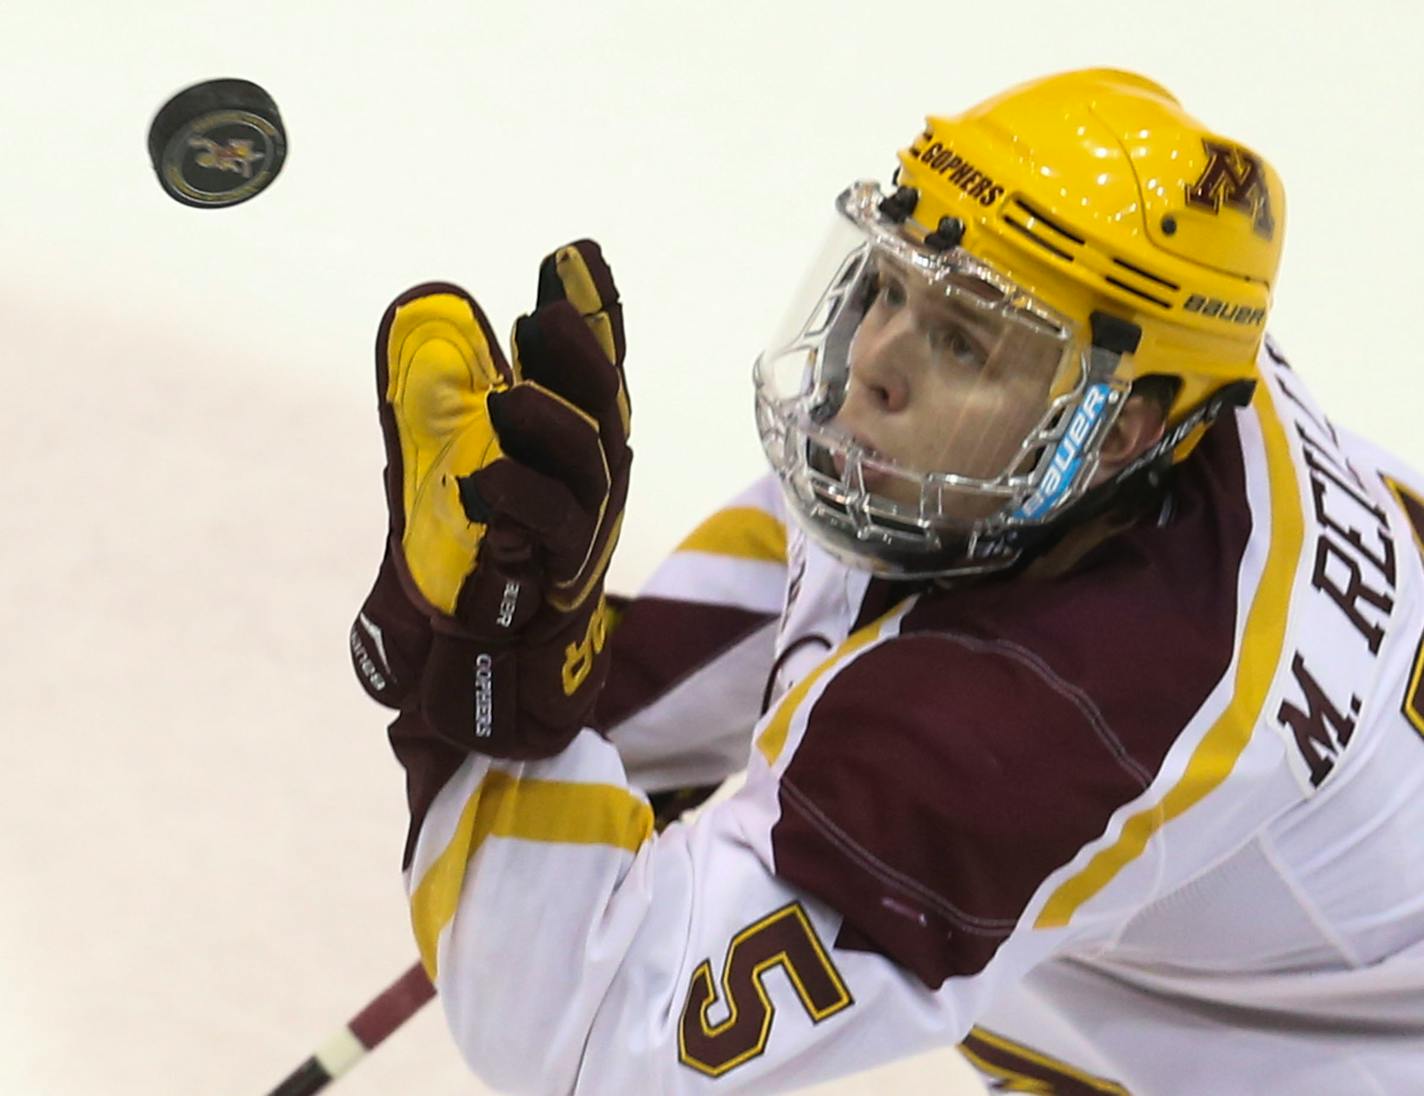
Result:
[[658, 643], [944, 774]]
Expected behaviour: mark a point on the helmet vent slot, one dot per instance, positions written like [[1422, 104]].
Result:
[[1173, 286], [1048, 222], [1158, 301], [1038, 239], [1059, 240]]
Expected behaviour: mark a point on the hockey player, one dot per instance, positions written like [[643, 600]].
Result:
[[1072, 654]]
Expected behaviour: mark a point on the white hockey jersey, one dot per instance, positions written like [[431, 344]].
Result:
[[1151, 825]]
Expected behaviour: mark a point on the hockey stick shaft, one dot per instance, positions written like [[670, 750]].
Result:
[[391, 1008]]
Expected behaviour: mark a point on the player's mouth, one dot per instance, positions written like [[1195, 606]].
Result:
[[870, 474]]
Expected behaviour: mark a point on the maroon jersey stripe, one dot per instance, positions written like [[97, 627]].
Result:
[[659, 643]]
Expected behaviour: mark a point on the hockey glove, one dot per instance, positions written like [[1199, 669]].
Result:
[[505, 489]]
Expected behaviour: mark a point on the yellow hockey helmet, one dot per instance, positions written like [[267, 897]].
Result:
[[1095, 190], [1042, 252]]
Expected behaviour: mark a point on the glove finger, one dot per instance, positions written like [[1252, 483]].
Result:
[[517, 501], [577, 273], [547, 433], [557, 349], [569, 593], [507, 586]]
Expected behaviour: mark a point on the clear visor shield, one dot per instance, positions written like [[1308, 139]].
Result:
[[915, 403]]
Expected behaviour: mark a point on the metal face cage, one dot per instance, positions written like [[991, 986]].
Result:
[[905, 514]]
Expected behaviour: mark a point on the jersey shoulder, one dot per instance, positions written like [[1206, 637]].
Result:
[[946, 771], [939, 780]]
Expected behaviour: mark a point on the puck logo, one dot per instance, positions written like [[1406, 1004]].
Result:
[[222, 158], [234, 154]]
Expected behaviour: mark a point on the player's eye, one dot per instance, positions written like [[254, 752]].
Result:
[[953, 340], [892, 292]]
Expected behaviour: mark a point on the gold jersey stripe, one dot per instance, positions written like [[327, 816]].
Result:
[[773, 739], [1217, 753], [531, 810], [743, 532], [1039, 1072]]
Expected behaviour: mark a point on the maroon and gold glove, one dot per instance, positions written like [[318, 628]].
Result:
[[505, 488]]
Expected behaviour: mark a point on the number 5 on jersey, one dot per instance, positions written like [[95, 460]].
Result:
[[785, 939]]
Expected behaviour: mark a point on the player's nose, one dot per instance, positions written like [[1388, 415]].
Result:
[[880, 370]]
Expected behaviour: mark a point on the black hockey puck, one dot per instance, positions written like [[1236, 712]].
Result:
[[217, 143]]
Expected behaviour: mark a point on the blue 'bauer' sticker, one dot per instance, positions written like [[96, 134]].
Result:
[[1068, 457]]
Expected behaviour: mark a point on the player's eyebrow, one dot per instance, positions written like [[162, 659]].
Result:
[[975, 320], [963, 313], [979, 320]]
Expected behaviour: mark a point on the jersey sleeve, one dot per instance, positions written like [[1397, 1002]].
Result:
[[691, 653], [806, 928]]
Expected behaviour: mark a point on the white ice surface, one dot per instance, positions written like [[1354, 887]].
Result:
[[200, 824]]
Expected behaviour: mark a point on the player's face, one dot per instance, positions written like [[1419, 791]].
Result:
[[938, 386]]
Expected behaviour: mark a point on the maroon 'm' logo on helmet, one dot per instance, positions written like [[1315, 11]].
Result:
[[1236, 178]]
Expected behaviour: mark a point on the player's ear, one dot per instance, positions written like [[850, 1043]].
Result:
[[1139, 425]]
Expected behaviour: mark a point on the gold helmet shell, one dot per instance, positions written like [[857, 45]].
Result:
[[1096, 191]]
